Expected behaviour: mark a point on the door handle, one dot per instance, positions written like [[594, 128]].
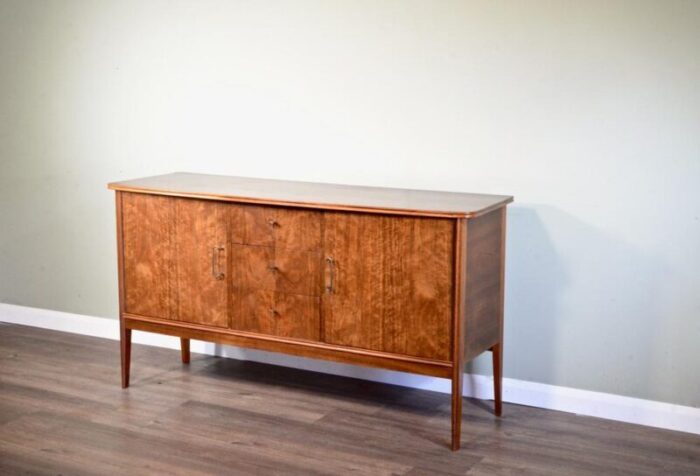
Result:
[[330, 284], [215, 270]]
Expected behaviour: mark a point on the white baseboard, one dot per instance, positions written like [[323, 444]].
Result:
[[551, 397]]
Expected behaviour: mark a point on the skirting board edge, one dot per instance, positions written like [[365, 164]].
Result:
[[551, 397]]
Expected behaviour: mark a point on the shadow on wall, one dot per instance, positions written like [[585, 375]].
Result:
[[583, 308], [535, 278]]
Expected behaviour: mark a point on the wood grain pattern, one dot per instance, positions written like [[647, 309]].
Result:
[[267, 283], [149, 276], [317, 195], [483, 284], [252, 267], [201, 229], [393, 283], [298, 316], [275, 313], [252, 311], [276, 269], [276, 226]]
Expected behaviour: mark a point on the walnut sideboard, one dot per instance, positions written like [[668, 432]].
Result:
[[405, 280]]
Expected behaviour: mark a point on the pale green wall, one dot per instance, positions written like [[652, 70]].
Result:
[[587, 111]]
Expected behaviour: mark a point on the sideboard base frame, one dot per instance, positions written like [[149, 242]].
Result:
[[370, 358], [361, 357]]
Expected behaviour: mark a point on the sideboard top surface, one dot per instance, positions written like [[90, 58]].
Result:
[[316, 195]]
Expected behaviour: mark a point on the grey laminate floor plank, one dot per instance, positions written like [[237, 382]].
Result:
[[62, 411]]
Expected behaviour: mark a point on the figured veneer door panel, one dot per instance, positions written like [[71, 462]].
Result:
[[276, 226], [200, 240], [147, 222], [391, 283]]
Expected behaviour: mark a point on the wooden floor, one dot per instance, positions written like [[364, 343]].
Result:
[[62, 411]]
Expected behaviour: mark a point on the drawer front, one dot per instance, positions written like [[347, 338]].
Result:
[[276, 269], [251, 311], [276, 226], [298, 316], [268, 312]]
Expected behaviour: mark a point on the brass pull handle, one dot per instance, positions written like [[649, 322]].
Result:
[[215, 254], [274, 312], [273, 268], [330, 286], [272, 222]]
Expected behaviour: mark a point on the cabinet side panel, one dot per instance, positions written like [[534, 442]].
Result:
[[200, 240], [484, 282], [147, 222], [392, 283]]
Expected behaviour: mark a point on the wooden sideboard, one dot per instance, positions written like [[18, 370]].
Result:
[[405, 280]]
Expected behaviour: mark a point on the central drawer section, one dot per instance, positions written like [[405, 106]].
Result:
[[276, 271]]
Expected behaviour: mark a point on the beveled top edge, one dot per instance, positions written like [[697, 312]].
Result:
[[316, 195]]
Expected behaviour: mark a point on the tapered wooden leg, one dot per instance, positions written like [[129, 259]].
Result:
[[458, 320], [125, 343], [497, 351], [185, 350], [456, 410]]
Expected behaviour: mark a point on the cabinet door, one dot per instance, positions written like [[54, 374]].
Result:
[[147, 222], [200, 236], [390, 283], [175, 258]]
